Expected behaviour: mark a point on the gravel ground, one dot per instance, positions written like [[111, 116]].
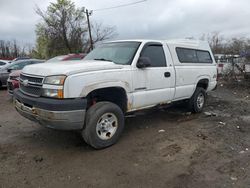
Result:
[[159, 148]]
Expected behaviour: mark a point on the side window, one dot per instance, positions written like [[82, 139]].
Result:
[[156, 55], [2, 63], [186, 55], [204, 57]]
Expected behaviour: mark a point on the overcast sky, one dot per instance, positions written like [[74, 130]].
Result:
[[155, 19]]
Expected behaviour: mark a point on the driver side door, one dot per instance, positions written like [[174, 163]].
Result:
[[152, 85]]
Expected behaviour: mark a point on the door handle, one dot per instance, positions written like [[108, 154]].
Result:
[[167, 74]]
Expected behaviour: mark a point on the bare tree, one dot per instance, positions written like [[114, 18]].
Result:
[[62, 27], [100, 33], [216, 41], [64, 30], [11, 49]]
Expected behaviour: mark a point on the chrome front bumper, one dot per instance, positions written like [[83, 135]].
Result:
[[61, 120]]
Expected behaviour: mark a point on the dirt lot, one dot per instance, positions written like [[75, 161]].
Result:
[[159, 148]]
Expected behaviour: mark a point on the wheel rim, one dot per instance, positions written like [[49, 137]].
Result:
[[107, 126], [200, 100]]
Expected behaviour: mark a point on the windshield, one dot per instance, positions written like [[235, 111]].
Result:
[[117, 52], [20, 65], [9, 65]]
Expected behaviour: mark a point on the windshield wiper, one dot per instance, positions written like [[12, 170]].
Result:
[[102, 59]]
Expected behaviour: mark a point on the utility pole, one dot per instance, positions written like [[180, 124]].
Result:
[[89, 13]]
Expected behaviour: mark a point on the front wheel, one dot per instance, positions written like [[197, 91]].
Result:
[[104, 125], [197, 101]]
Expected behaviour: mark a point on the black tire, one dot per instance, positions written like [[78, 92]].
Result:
[[194, 105], [95, 114]]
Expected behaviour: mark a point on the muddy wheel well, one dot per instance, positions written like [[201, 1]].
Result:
[[203, 84], [115, 95]]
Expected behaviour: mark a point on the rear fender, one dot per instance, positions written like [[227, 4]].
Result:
[[202, 77]]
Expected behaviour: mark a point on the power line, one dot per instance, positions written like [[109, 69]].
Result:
[[90, 12], [118, 6]]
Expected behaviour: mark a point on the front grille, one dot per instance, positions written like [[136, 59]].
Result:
[[31, 85], [37, 80], [31, 90]]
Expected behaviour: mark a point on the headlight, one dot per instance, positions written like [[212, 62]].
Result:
[[54, 93], [55, 80]]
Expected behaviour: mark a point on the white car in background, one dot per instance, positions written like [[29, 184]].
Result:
[[3, 63]]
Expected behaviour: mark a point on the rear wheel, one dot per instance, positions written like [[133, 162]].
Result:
[[104, 125], [197, 101]]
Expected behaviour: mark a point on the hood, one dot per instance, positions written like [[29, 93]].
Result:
[[69, 67]]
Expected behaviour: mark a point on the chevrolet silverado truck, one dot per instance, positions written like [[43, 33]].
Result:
[[119, 77]]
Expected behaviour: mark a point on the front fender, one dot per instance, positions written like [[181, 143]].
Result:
[[100, 85]]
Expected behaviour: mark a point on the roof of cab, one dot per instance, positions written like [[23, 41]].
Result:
[[189, 43]]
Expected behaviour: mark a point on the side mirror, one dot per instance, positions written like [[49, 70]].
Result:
[[143, 62]]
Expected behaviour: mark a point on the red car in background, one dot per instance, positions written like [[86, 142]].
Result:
[[68, 57], [13, 81]]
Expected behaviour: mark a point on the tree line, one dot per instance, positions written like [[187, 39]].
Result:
[[11, 49], [228, 46], [47, 47]]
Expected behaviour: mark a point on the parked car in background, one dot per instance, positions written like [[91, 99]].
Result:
[[18, 65], [3, 63], [68, 57], [13, 81], [21, 58]]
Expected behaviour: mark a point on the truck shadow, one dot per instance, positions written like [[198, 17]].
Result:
[[152, 118], [55, 138]]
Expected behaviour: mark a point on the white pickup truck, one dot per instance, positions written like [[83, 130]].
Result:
[[118, 77]]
